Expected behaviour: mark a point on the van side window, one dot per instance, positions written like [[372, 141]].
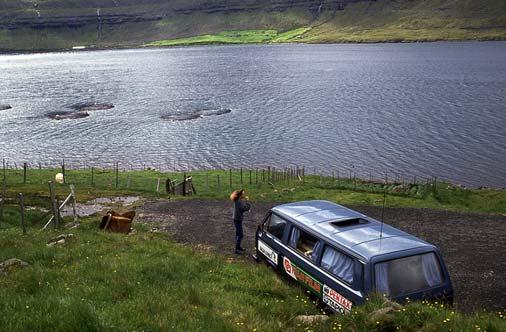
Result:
[[276, 226], [337, 263], [303, 242]]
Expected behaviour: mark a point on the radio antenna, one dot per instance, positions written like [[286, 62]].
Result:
[[384, 201]]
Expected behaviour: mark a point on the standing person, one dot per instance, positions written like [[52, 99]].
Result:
[[240, 206]]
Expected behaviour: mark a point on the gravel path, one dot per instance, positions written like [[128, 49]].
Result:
[[474, 245]]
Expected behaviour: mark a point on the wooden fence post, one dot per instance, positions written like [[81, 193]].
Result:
[[4, 195], [92, 176], [117, 176], [158, 186], [25, 165], [250, 182], [230, 177], [63, 170], [184, 184], [54, 206], [218, 179], [22, 212], [241, 177]]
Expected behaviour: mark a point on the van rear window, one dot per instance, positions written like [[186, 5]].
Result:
[[407, 275]]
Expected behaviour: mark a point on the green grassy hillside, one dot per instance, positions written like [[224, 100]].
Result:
[[57, 24], [100, 281], [418, 20]]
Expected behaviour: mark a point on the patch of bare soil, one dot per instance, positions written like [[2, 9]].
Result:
[[474, 245]]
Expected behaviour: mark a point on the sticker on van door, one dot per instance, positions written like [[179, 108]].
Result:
[[335, 300], [303, 277], [268, 252]]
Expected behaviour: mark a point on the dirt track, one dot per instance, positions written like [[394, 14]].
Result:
[[474, 245]]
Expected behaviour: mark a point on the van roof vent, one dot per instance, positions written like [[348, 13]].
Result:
[[349, 222]]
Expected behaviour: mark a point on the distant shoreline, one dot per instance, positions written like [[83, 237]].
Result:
[[143, 47]]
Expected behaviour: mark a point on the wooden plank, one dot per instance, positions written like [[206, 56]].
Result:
[[54, 204], [74, 201]]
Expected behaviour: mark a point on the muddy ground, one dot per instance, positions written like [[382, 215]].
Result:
[[474, 245]]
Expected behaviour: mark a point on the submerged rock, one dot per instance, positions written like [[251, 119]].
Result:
[[64, 115], [4, 107], [91, 106], [181, 117], [220, 111], [196, 114]]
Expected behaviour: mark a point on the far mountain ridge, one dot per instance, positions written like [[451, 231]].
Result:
[[61, 24]]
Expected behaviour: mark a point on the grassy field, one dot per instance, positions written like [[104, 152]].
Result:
[[236, 37], [145, 282], [217, 184]]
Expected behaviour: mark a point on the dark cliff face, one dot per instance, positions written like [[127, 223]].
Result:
[[29, 25], [15, 14]]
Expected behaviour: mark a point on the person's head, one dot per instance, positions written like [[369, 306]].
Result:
[[237, 195]]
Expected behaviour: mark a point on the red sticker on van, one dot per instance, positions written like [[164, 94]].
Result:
[[300, 275]]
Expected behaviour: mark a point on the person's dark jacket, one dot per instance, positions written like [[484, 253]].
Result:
[[240, 207]]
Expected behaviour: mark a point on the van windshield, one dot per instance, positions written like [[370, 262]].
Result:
[[407, 275]]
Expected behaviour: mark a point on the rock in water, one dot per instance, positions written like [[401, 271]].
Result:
[[220, 111], [92, 106], [195, 114], [4, 107], [181, 117], [63, 115]]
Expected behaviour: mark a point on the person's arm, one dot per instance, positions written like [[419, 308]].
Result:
[[245, 206]]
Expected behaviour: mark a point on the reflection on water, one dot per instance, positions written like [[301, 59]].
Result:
[[415, 109]]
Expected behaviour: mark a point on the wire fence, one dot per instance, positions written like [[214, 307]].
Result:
[[31, 181]]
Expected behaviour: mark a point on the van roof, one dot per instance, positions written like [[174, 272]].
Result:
[[349, 229]]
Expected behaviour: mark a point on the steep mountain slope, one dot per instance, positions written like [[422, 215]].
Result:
[[415, 20], [61, 24]]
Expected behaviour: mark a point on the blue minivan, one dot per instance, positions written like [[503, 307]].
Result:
[[341, 255]]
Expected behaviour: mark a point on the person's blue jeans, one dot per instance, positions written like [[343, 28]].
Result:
[[238, 234]]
